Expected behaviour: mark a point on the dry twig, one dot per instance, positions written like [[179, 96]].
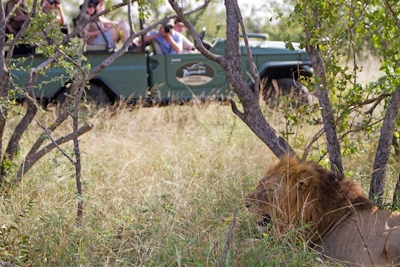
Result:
[[228, 240]]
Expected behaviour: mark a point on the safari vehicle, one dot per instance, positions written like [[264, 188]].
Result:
[[163, 78]]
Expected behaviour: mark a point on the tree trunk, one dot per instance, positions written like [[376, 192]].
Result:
[[252, 114], [27, 119], [383, 150], [4, 85], [322, 94]]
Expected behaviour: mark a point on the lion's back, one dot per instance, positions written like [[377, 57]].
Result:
[[363, 239]]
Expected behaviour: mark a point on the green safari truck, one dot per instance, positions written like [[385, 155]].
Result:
[[176, 77]]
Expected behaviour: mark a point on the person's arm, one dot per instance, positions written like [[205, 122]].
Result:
[[105, 20], [91, 30], [61, 17], [92, 33], [186, 44], [10, 29], [20, 15], [175, 44], [148, 38], [21, 18]]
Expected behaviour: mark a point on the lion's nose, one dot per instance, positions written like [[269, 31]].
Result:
[[248, 205]]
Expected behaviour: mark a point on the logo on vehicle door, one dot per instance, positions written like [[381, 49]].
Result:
[[194, 73]]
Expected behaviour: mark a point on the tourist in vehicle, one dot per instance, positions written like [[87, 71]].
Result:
[[54, 7], [121, 26], [99, 33], [187, 45], [13, 25], [169, 40]]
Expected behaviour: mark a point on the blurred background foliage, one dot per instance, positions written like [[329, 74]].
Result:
[[269, 17]]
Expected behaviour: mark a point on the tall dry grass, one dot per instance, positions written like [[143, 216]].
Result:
[[160, 186]]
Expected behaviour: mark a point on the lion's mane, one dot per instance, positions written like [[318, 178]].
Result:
[[309, 194], [340, 219]]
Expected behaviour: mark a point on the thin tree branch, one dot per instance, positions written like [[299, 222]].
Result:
[[394, 14], [323, 97], [55, 144], [396, 194], [252, 66], [78, 163], [228, 241]]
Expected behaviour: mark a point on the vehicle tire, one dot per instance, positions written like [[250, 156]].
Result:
[[292, 89], [94, 95]]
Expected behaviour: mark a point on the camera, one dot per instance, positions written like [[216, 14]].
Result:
[[167, 28]]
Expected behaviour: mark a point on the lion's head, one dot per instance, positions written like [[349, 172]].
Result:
[[295, 192]]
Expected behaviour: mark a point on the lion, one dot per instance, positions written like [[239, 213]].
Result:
[[341, 222]]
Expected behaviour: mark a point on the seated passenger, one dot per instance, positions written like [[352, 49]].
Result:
[[167, 38], [99, 33], [13, 25], [187, 45], [54, 7], [121, 26]]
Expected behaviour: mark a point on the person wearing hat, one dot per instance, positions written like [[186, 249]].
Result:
[[92, 2], [54, 7], [168, 39], [97, 32]]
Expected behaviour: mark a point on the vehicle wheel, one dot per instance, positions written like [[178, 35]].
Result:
[[94, 95], [292, 89]]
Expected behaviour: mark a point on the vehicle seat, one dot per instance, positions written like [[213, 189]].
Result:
[[156, 47], [96, 47]]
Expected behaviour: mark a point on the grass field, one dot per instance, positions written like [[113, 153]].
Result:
[[160, 188]]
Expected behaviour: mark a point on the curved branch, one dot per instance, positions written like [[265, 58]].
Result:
[[252, 114], [196, 38], [29, 162], [26, 119], [313, 140]]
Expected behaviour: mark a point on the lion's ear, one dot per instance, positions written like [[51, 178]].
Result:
[[334, 176], [304, 179]]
